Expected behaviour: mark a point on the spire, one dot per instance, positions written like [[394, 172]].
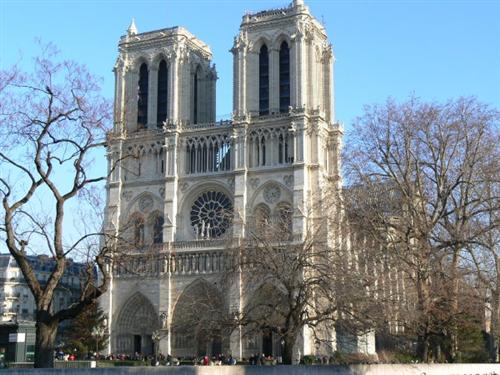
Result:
[[297, 3], [132, 29]]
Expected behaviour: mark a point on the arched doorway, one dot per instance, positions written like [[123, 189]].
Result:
[[134, 327], [198, 322], [265, 313]]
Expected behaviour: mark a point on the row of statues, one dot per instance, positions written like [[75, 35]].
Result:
[[202, 231]]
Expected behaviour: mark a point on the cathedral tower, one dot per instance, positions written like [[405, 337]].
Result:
[[185, 190], [288, 51]]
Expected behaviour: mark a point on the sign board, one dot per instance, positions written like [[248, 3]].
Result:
[[17, 337]]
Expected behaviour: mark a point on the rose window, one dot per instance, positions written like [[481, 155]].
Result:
[[211, 215]]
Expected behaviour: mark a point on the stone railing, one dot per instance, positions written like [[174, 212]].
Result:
[[218, 124], [175, 263], [185, 258], [200, 244], [201, 262]]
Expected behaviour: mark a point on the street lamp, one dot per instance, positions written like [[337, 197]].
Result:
[[97, 332], [156, 336]]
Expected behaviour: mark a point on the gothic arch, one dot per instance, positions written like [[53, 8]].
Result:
[[257, 45], [135, 324], [279, 39], [138, 61], [266, 310], [155, 62], [197, 321]]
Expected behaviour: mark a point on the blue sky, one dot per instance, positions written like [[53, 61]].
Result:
[[436, 49]]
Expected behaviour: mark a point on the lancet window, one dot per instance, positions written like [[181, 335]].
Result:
[[284, 65], [158, 229], [139, 230], [263, 81], [162, 109], [195, 98], [142, 97]]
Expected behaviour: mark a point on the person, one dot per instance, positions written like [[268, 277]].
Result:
[[205, 360]]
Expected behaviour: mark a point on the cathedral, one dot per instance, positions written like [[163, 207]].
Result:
[[175, 172]]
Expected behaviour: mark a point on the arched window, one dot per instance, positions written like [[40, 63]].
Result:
[[263, 81], [283, 217], [263, 151], [284, 77], [195, 98], [262, 215], [142, 97], [138, 231], [162, 112], [280, 149], [158, 229]]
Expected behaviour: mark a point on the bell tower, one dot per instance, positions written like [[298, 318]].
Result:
[[282, 58]]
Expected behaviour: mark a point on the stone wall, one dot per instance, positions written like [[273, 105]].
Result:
[[420, 369]]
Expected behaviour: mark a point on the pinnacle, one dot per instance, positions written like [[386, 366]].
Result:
[[132, 29]]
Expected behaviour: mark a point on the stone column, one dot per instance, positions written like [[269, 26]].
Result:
[[274, 81], [173, 90], [299, 83], [328, 96]]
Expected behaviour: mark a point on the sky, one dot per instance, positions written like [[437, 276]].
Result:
[[434, 49]]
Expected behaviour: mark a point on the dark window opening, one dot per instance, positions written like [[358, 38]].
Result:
[[195, 99], [142, 97], [162, 112], [158, 230], [263, 81], [284, 77]]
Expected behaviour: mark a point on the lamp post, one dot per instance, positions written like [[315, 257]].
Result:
[[156, 336], [97, 332]]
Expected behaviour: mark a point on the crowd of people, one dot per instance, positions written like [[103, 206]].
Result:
[[165, 360]]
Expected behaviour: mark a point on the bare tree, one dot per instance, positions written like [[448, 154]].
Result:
[[292, 282], [53, 122], [420, 169]]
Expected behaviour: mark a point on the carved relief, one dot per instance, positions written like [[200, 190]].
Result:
[[254, 183], [127, 195], [146, 203], [183, 186], [288, 180], [272, 193]]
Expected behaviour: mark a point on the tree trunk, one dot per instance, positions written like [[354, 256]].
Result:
[[46, 331], [423, 324], [287, 354], [494, 327], [423, 346], [451, 352]]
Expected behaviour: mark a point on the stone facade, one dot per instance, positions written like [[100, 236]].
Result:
[[177, 169]]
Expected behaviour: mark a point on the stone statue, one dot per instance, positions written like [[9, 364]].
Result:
[[163, 320], [196, 230]]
